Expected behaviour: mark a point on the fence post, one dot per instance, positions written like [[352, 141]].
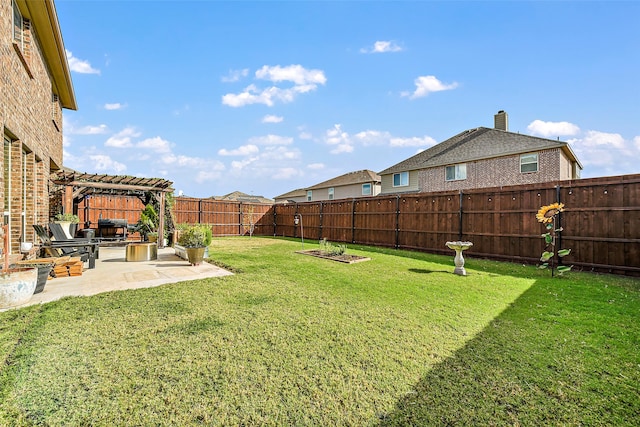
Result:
[[559, 227], [321, 210], [353, 220], [199, 211], [241, 219], [275, 219], [397, 244], [460, 216]]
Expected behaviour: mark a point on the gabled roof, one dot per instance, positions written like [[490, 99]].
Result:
[[478, 144], [357, 177], [239, 196], [300, 192]]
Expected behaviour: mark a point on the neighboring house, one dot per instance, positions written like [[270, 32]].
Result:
[[483, 157], [298, 195], [363, 183], [238, 196], [35, 84]]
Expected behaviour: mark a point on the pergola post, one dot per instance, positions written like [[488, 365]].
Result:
[[161, 221]]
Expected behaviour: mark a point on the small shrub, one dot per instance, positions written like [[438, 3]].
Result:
[[194, 236], [73, 219], [328, 248]]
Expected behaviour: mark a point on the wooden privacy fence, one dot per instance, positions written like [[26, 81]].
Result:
[[601, 221], [226, 218]]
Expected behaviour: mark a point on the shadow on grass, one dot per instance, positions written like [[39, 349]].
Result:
[[545, 360], [425, 271]]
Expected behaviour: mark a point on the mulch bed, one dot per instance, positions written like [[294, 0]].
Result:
[[345, 258]]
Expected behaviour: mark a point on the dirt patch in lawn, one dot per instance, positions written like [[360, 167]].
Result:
[[346, 258]]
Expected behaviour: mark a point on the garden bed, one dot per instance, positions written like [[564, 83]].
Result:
[[345, 258]]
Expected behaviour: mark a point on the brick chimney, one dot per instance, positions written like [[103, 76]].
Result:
[[501, 120]]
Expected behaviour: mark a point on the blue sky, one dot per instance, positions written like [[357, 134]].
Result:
[[265, 97]]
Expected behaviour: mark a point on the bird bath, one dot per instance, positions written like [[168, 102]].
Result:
[[459, 260]]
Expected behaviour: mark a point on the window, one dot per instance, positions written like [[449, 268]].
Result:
[[331, 192], [401, 179], [456, 172], [366, 189], [529, 163], [308, 195], [18, 24]]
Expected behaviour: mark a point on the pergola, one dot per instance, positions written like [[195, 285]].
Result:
[[77, 185]]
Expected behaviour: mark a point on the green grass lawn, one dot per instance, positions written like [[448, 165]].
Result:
[[296, 340]]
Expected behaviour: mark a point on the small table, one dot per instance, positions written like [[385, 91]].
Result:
[[143, 251]]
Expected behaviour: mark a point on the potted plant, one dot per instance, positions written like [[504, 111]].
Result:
[[148, 223], [16, 284], [195, 239], [69, 223]]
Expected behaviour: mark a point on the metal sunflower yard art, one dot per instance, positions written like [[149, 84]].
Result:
[[549, 216]]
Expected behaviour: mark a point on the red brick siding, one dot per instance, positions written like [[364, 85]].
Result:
[[26, 116]]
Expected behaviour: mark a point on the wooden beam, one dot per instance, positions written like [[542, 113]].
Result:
[[111, 186]]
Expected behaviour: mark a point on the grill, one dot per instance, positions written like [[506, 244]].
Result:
[[111, 223]]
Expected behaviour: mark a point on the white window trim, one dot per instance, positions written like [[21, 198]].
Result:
[[537, 162], [393, 179], [331, 193], [370, 192], [456, 172], [309, 195]]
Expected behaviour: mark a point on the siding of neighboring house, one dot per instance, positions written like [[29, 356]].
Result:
[[388, 188], [30, 124], [496, 172], [343, 192]]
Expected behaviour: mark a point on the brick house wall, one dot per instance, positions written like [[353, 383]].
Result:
[[31, 126], [497, 172]]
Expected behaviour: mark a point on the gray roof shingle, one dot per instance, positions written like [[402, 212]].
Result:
[[477, 144]]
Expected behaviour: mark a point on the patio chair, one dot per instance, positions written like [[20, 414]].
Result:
[[52, 250]]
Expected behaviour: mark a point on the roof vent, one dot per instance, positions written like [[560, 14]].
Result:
[[501, 120]]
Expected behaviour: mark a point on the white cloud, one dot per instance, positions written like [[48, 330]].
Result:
[[122, 139], [114, 106], [272, 119], [340, 139], [235, 75], [304, 81], [155, 144], [342, 148], [382, 47], [80, 66], [415, 141], [104, 163], [292, 73], [271, 140], [89, 130], [552, 129], [594, 139], [316, 166], [373, 137], [603, 153], [245, 150], [428, 84]]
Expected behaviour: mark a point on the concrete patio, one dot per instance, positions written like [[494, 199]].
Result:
[[113, 272]]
